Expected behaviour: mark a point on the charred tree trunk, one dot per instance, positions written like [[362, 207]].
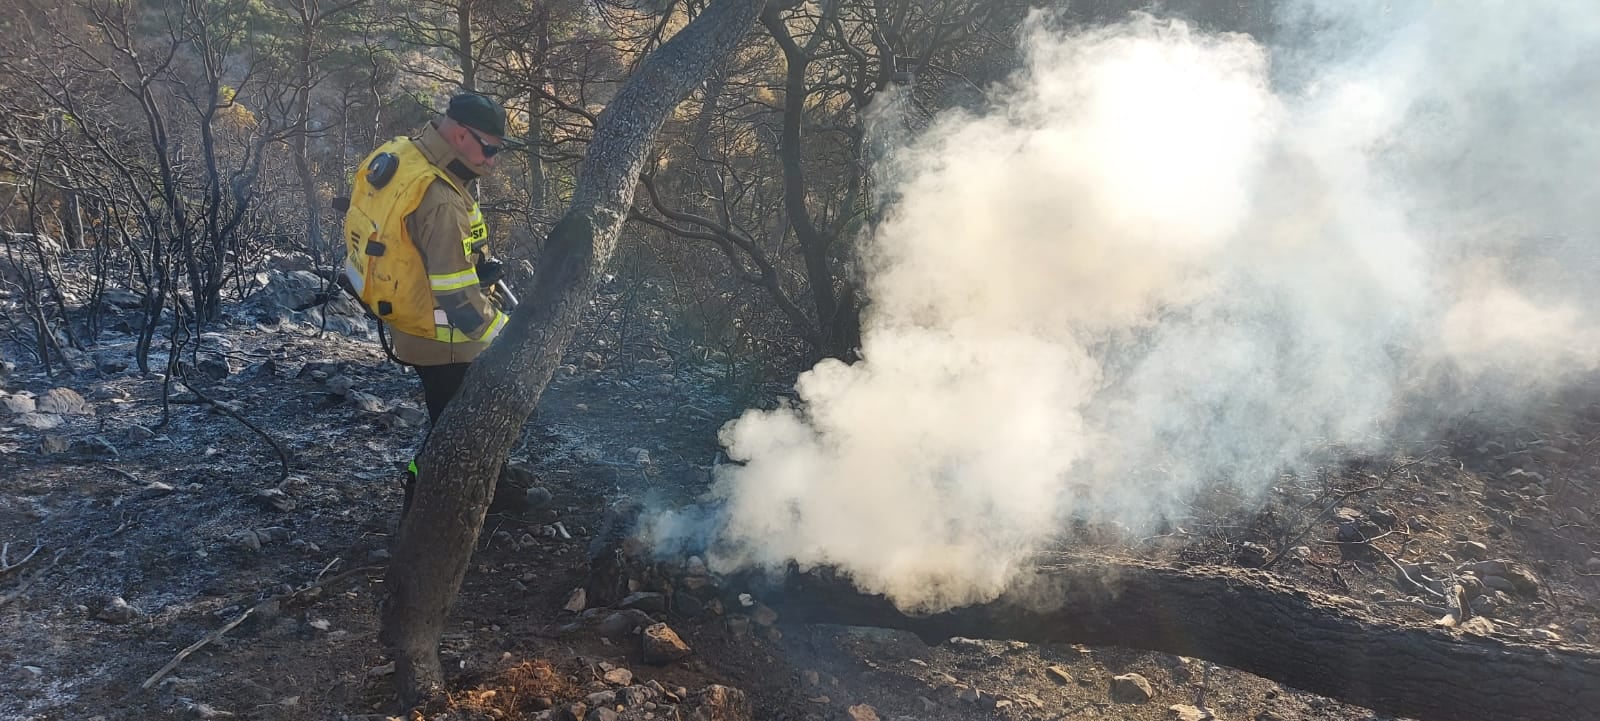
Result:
[[464, 452], [1250, 621], [815, 242]]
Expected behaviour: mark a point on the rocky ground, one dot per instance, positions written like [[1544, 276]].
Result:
[[134, 532]]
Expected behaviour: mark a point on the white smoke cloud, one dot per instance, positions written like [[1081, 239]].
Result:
[[1164, 257]]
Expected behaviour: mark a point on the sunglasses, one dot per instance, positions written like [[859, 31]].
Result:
[[489, 151]]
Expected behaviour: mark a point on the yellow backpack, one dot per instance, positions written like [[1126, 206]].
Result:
[[381, 261]]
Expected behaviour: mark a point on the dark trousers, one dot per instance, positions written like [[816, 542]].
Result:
[[439, 384]]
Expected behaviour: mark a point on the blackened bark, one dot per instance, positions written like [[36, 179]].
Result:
[[841, 335], [1251, 621], [464, 452]]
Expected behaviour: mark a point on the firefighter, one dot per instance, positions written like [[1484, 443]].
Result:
[[417, 248]]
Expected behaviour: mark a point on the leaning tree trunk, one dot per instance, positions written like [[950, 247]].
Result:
[[1250, 621], [464, 452]]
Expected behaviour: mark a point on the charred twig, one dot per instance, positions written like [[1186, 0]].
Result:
[[283, 453], [229, 626], [7, 567], [1404, 574], [56, 560], [1283, 549]]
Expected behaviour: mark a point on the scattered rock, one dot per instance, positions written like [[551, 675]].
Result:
[[64, 401], [1059, 675], [366, 402], [214, 367], [662, 645], [647, 601], [206, 711], [118, 611], [1251, 555], [339, 385], [601, 698], [41, 421], [1522, 579], [602, 714], [1478, 625], [618, 677], [763, 616], [577, 601], [633, 696], [121, 298], [1185, 712], [1131, 688], [622, 623], [52, 444], [407, 416], [1354, 526], [717, 703], [1472, 550], [537, 497], [95, 446], [273, 499], [17, 405], [863, 712]]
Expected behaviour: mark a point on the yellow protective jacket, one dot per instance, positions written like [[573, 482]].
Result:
[[411, 250]]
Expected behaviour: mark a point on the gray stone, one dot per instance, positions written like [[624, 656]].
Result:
[[118, 611], [1251, 555], [214, 367], [577, 601], [52, 444], [95, 446], [1472, 550], [634, 696], [622, 623], [537, 498], [647, 601], [339, 384], [601, 698], [121, 298], [17, 405], [1131, 688], [1521, 577], [365, 401], [763, 616], [41, 421], [618, 677], [602, 714], [63, 401]]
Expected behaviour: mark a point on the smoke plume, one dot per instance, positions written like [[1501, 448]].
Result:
[[1160, 257]]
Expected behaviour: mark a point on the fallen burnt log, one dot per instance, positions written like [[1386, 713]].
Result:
[[1251, 621]]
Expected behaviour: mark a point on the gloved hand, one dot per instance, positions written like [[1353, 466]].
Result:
[[490, 271]]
